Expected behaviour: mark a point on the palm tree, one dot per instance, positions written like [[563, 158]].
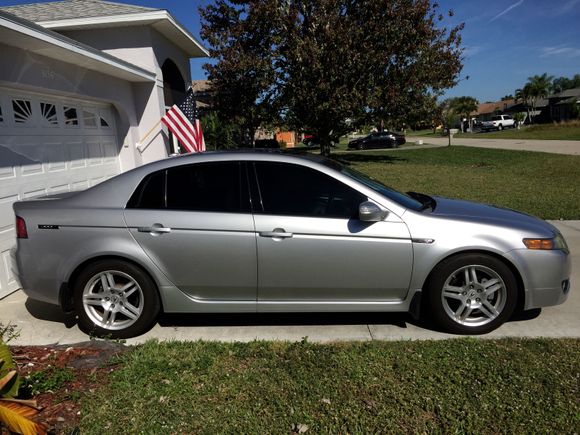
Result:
[[523, 95], [464, 106], [539, 87]]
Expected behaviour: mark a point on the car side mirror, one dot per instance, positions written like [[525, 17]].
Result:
[[370, 212]]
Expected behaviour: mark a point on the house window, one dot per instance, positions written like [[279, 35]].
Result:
[[89, 118], [22, 111], [48, 112], [70, 116]]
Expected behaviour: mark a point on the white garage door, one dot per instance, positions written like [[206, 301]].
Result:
[[49, 145]]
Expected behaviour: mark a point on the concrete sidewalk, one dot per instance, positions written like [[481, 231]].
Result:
[[571, 147], [41, 324]]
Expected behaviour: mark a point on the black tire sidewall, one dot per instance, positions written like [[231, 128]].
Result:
[[444, 269], [151, 306]]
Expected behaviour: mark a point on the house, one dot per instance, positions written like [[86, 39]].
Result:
[[486, 110], [562, 103], [83, 85]]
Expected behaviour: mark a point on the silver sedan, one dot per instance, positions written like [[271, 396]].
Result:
[[272, 232]]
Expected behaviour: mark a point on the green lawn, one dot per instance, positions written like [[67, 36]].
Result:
[[451, 386], [569, 131], [542, 184]]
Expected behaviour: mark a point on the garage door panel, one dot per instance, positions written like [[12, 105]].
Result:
[[6, 214], [55, 156], [95, 152], [8, 283], [78, 155], [49, 145], [80, 185]]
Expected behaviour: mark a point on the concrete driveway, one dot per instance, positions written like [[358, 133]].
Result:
[[571, 147], [41, 324]]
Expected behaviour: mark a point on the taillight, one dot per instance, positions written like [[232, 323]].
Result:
[[21, 232]]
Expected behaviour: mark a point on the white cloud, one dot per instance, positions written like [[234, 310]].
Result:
[[472, 50], [568, 6], [505, 11], [560, 51]]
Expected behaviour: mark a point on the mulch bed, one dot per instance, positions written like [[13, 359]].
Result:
[[90, 364]]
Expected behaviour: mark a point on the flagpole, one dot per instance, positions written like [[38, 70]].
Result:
[[139, 142]]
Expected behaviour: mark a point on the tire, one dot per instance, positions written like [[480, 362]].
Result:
[[127, 307], [461, 305], [500, 127], [360, 146]]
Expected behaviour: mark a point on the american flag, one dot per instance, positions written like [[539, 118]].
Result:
[[183, 121]]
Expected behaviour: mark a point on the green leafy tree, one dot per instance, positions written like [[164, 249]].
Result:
[[243, 80], [518, 118], [219, 133], [561, 84], [524, 95], [538, 88], [325, 65], [463, 106]]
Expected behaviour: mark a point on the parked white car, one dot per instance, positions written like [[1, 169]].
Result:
[[499, 122]]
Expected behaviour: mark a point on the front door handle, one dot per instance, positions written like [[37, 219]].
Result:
[[277, 233], [154, 229]]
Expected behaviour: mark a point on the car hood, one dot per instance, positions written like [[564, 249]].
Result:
[[483, 213]]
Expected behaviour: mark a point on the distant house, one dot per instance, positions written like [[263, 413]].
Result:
[[561, 104], [203, 94], [486, 110], [81, 83]]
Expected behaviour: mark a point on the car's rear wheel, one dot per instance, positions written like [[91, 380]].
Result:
[[115, 299], [472, 294]]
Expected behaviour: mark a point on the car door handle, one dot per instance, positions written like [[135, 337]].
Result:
[[154, 229], [278, 233]]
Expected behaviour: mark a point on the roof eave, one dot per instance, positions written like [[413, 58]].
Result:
[[161, 20], [34, 38]]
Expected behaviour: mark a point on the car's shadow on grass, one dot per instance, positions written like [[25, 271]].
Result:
[[348, 158]]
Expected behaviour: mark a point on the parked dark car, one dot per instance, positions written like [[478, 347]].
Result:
[[267, 143], [312, 140], [381, 139]]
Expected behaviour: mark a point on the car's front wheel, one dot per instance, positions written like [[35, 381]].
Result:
[[472, 294], [115, 299]]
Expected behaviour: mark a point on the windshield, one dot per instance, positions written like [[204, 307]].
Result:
[[394, 195]]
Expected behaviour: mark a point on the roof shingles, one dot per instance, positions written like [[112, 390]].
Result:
[[71, 9]]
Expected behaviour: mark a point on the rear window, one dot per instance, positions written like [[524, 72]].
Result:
[[212, 187]]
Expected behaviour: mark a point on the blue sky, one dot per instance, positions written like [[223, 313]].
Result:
[[506, 41]]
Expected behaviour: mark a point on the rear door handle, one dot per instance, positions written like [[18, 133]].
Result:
[[277, 233], [154, 229]]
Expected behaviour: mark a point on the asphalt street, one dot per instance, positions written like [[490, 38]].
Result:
[[41, 324]]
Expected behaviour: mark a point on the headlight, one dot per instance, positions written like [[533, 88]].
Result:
[[554, 243]]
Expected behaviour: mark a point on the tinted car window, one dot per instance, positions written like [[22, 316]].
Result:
[[201, 187], [296, 190], [150, 193]]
